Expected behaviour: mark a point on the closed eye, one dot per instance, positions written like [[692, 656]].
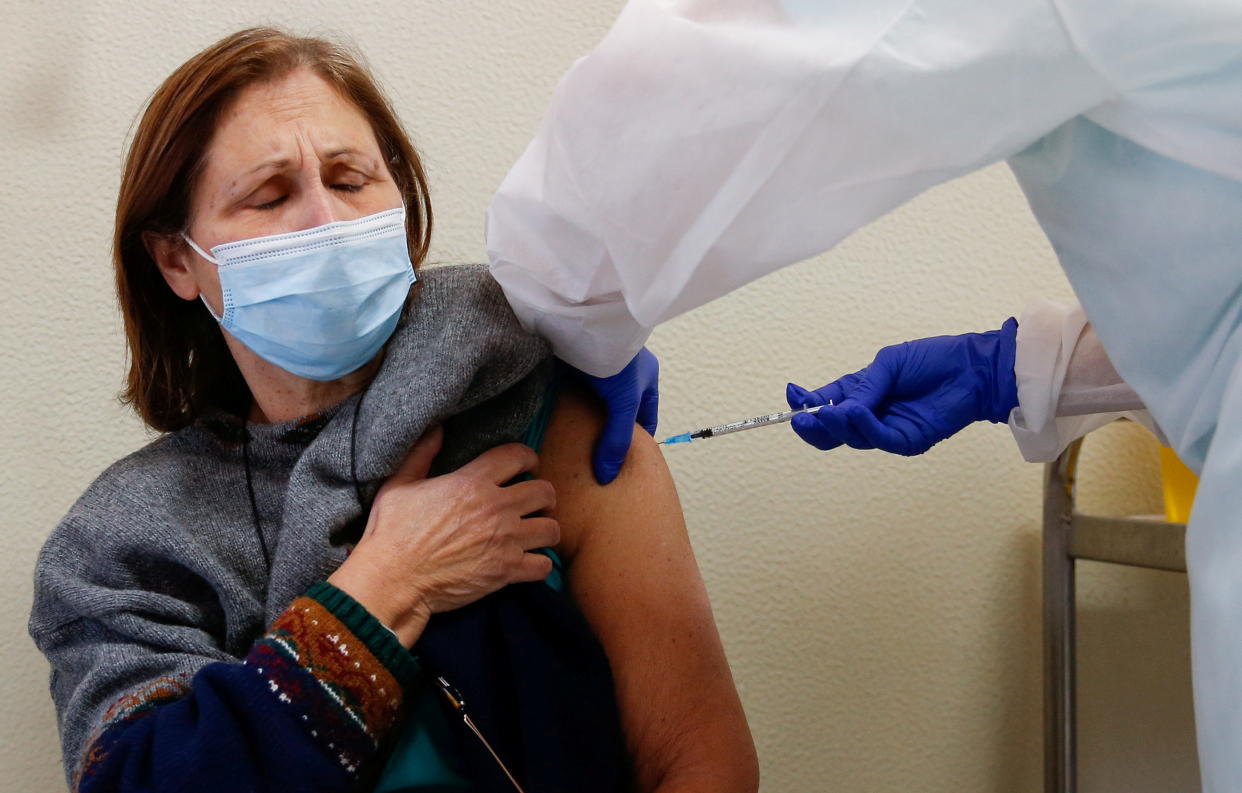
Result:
[[275, 202]]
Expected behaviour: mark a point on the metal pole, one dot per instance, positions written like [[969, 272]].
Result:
[[1060, 755]]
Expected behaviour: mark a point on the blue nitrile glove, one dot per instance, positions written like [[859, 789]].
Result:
[[632, 394], [915, 394]]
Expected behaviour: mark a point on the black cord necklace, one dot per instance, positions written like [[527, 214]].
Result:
[[254, 507]]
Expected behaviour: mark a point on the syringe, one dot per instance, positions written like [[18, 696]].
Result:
[[738, 426]]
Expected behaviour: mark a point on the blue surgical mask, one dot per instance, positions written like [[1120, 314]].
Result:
[[319, 302]]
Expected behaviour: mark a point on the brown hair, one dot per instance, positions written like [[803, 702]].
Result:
[[179, 363]]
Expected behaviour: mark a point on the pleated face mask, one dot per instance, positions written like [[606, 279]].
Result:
[[319, 302]]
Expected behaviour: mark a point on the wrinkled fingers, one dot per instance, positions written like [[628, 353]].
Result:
[[503, 463], [530, 496], [538, 533]]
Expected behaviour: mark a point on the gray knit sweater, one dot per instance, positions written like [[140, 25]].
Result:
[[158, 570]]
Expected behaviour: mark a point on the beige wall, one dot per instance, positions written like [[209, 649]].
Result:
[[881, 614]]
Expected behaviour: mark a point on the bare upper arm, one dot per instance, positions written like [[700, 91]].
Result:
[[565, 461], [632, 571]]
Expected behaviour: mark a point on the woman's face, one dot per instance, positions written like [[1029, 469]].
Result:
[[285, 156]]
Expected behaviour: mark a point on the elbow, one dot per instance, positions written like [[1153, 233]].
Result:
[[746, 773], [704, 762], [732, 776], [745, 776]]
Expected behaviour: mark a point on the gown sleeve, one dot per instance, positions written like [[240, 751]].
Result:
[[1067, 385], [704, 144]]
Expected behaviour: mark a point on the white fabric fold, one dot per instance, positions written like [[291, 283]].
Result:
[[1067, 385], [704, 144]]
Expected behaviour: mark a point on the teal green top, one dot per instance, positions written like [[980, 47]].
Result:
[[417, 763]]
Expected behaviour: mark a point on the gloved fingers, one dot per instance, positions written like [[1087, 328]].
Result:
[[855, 426], [892, 434], [835, 419], [799, 397], [613, 444], [880, 377], [811, 431], [629, 395], [649, 409], [834, 392], [874, 385], [648, 366], [847, 425]]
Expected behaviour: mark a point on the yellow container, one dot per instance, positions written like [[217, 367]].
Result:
[[1179, 486]]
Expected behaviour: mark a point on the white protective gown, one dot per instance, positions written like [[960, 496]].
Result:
[[704, 143]]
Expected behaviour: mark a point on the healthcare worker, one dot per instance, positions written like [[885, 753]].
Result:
[[705, 143]]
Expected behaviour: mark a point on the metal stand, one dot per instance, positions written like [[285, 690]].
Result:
[[1069, 536]]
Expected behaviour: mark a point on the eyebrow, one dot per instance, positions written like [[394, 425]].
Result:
[[282, 162]]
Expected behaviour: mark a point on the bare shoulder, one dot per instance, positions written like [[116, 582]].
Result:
[[643, 486]]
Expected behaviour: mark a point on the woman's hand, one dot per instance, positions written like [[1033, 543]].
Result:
[[437, 544]]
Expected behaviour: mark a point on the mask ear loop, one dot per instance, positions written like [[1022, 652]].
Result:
[[199, 250], [211, 259]]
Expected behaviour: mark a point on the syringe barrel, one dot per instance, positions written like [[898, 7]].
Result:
[[757, 421]]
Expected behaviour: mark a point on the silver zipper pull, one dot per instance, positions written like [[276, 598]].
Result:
[[458, 704]]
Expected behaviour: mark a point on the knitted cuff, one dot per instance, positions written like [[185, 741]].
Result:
[[360, 672], [377, 637]]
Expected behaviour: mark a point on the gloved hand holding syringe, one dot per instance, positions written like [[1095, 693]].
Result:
[[738, 426]]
